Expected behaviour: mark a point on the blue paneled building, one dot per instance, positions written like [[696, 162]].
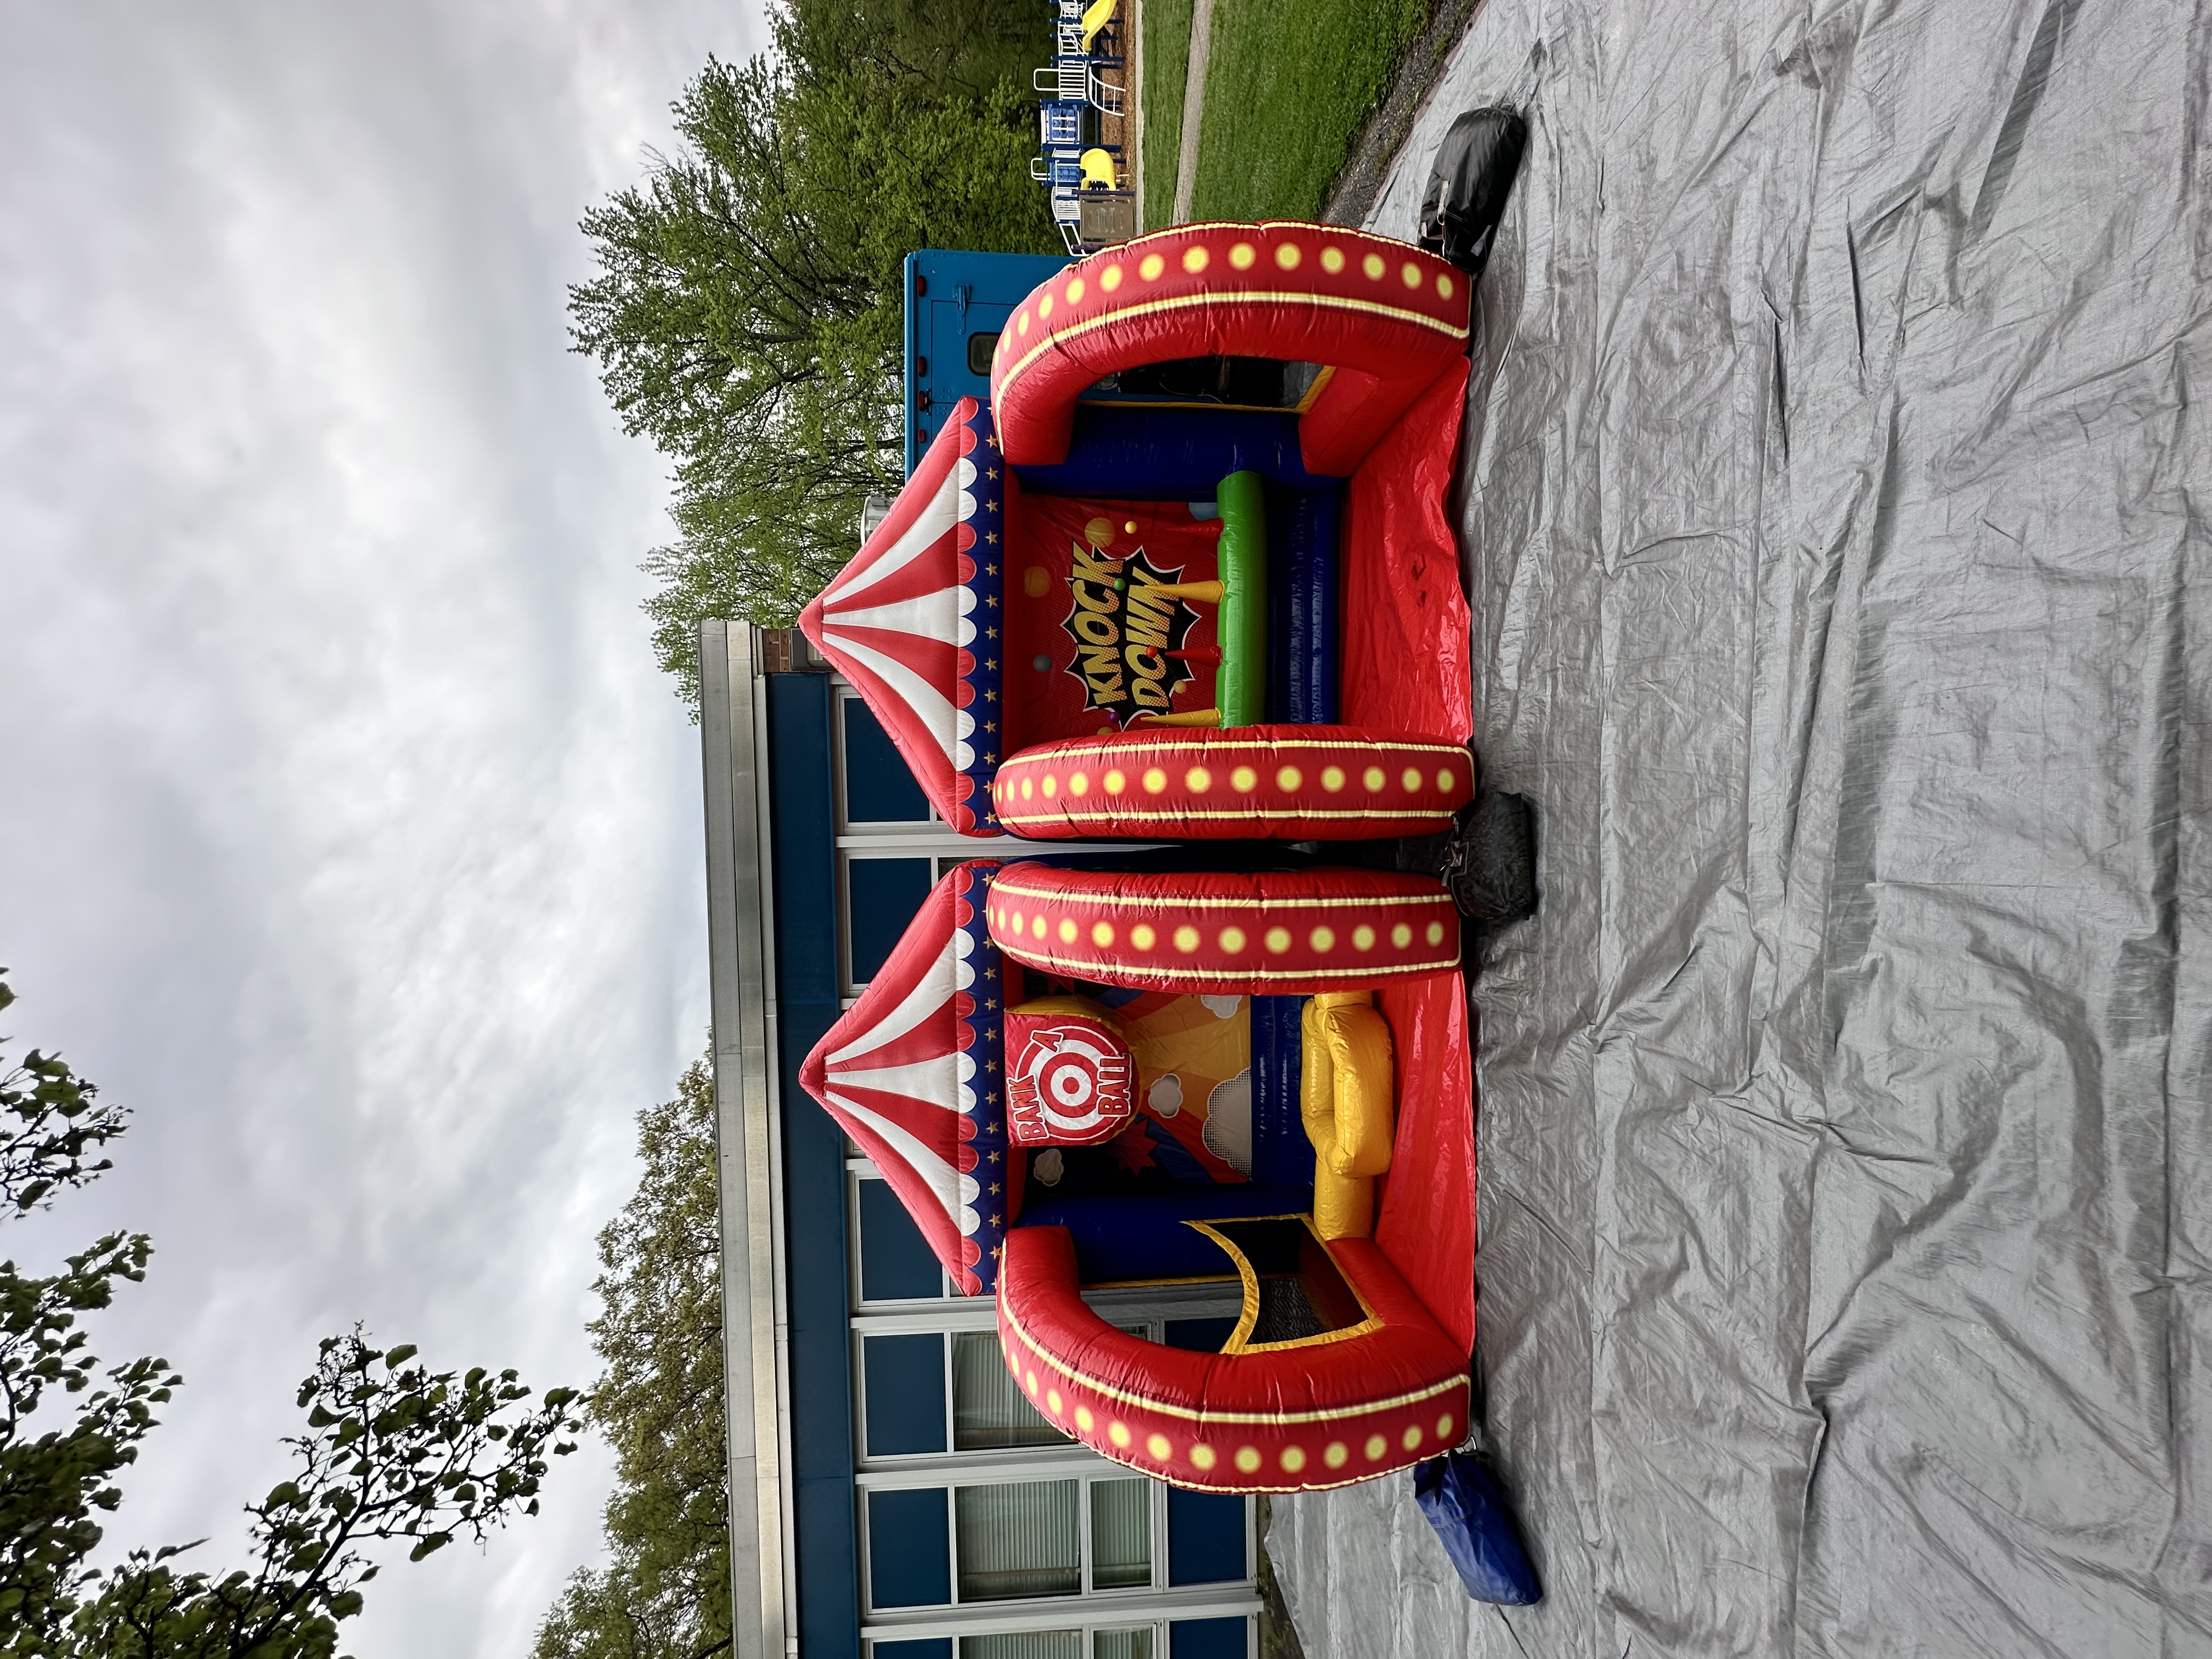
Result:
[[892, 1494]]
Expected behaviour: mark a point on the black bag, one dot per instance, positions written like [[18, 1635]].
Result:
[[1474, 173]]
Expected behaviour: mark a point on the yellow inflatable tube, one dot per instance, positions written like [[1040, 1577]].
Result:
[[1346, 1092]]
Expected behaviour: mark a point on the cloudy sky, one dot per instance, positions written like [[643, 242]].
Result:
[[350, 837]]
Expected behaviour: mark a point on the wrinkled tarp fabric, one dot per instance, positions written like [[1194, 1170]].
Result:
[[1834, 515]]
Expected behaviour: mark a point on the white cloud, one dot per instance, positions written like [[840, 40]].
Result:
[[1229, 1121], [1164, 1097], [355, 839]]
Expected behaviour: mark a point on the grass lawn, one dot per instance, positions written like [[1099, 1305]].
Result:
[[1289, 84], [1166, 51]]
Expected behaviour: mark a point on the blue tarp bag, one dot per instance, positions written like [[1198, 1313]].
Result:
[[1472, 1518]]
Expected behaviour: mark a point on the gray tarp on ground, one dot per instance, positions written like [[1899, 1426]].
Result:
[[1836, 525]]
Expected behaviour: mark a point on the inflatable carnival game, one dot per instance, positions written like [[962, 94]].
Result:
[[1228, 635]]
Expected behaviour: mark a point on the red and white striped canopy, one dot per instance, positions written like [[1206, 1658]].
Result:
[[913, 1073], [914, 622]]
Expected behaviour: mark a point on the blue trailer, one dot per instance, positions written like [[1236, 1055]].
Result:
[[956, 304]]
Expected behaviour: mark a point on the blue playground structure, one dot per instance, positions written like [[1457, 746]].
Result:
[[1087, 178]]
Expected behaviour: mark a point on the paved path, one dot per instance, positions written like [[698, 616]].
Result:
[[1133, 141], [1193, 105]]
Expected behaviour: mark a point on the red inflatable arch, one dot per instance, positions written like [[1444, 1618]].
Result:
[[1383, 319], [1277, 782], [1280, 932], [1383, 1388]]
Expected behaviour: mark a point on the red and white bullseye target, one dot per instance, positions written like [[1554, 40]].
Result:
[[1069, 1082]]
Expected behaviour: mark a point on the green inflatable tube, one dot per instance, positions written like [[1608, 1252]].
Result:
[[1241, 688]]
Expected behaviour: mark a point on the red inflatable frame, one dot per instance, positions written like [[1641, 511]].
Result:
[[1276, 783], [1383, 319], [1281, 1417], [1272, 932]]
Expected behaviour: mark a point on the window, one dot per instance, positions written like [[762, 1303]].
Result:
[[1018, 1540], [879, 787], [888, 841], [1117, 1642], [1015, 1540], [989, 1411], [1024, 1644], [881, 895], [910, 1563], [1121, 1534], [1199, 1335], [904, 1379], [895, 1264], [1209, 1638], [1205, 1537]]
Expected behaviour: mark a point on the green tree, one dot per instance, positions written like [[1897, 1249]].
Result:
[[746, 314], [52, 1482], [393, 1450], [666, 1591]]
